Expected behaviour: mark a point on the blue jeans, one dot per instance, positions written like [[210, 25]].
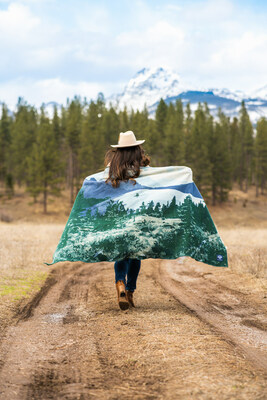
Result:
[[129, 267]]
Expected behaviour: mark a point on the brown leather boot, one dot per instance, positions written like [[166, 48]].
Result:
[[129, 296], [122, 299]]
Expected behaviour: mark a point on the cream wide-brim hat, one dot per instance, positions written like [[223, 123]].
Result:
[[127, 139]]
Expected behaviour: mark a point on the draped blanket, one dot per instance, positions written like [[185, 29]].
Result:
[[162, 216]]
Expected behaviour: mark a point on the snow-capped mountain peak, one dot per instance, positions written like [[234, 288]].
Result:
[[260, 93], [236, 95], [147, 86], [154, 78]]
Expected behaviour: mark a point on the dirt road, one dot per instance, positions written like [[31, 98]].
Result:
[[196, 333]]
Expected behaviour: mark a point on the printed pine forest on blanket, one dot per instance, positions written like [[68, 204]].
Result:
[[162, 216]]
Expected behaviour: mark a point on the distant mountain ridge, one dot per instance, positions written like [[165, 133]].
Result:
[[149, 85]]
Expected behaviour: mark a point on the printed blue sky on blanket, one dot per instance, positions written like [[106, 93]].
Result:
[[162, 216]]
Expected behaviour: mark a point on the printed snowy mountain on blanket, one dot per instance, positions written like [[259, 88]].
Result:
[[162, 216]]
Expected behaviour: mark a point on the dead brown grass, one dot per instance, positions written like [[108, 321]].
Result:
[[247, 249], [29, 237], [242, 225], [22, 208], [24, 248]]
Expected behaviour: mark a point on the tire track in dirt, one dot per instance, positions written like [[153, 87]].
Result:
[[73, 342], [40, 341], [238, 316]]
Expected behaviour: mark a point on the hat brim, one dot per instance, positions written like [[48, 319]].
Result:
[[128, 145]]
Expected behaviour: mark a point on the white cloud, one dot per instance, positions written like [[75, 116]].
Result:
[[94, 18], [246, 51], [209, 11], [207, 42], [242, 61], [157, 45], [174, 7], [161, 32], [17, 24], [43, 57], [27, 42], [36, 92]]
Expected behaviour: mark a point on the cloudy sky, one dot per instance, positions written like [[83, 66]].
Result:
[[51, 49]]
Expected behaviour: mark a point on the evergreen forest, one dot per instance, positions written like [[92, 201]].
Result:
[[45, 155]]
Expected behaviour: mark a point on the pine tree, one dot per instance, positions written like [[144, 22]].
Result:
[[188, 127], [92, 146], [246, 140], [73, 133], [235, 149], [110, 127], [5, 140], [261, 155], [161, 116], [124, 120], [179, 113], [23, 134], [138, 122], [33, 173], [60, 141], [153, 142], [200, 150], [220, 159], [42, 163], [170, 143], [56, 127]]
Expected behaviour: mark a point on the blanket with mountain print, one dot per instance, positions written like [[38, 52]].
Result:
[[162, 216]]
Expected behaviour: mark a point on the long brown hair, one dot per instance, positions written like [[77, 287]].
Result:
[[123, 159]]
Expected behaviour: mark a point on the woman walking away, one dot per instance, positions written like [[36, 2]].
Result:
[[124, 162], [131, 211]]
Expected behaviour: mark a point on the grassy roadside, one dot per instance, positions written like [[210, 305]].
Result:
[[24, 249], [15, 292], [22, 285]]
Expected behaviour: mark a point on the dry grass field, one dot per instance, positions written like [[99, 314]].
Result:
[[171, 352], [29, 238], [241, 222]]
